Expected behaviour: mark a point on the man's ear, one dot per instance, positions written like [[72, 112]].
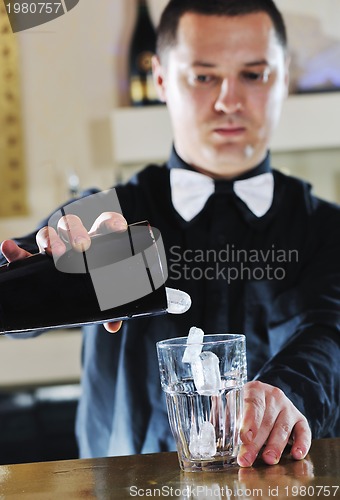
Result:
[[159, 78], [287, 74]]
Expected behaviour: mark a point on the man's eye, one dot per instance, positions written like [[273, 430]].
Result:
[[203, 78], [256, 76]]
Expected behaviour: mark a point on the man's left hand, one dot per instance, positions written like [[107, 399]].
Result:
[[271, 420]]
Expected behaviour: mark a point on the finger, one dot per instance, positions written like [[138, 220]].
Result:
[[278, 438], [247, 454], [12, 251], [49, 242], [261, 407], [113, 327], [108, 222], [254, 407], [302, 439], [72, 231]]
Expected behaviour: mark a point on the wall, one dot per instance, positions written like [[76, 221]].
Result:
[[69, 83]]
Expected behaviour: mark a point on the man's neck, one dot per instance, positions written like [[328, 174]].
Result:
[[175, 161]]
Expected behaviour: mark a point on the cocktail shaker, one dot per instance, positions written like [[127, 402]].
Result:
[[122, 275]]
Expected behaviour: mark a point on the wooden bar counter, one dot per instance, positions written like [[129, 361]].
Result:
[[158, 476]]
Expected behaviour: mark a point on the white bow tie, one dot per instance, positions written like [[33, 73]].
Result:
[[191, 190]]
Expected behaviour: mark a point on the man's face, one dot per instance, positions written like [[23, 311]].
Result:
[[224, 84]]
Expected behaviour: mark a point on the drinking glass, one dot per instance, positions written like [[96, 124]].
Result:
[[203, 384]]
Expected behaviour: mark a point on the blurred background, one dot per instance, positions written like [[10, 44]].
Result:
[[67, 123]]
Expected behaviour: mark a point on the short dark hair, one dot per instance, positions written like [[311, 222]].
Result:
[[175, 9]]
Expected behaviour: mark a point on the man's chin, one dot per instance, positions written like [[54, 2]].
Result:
[[230, 164]]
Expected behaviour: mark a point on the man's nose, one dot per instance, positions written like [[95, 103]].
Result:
[[229, 100]]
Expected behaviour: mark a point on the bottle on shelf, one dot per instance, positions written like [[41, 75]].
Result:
[[142, 48]]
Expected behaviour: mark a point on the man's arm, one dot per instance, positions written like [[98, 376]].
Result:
[[306, 373], [305, 369]]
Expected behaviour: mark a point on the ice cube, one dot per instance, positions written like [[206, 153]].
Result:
[[207, 440], [178, 301], [194, 345], [206, 374], [194, 444]]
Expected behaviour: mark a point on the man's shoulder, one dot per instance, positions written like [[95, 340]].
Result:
[[152, 173], [301, 192], [147, 177], [146, 193], [291, 183]]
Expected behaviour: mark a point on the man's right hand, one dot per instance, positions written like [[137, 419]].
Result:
[[70, 231]]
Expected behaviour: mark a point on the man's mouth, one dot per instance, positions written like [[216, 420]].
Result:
[[232, 131]]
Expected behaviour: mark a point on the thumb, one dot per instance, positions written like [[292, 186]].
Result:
[[12, 251]]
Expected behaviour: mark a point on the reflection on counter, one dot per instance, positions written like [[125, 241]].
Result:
[[250, 483]]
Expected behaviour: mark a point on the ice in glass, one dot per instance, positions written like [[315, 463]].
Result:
[[202, 377]]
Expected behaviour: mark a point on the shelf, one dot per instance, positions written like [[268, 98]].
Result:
[[309, 121], [141, 134]]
